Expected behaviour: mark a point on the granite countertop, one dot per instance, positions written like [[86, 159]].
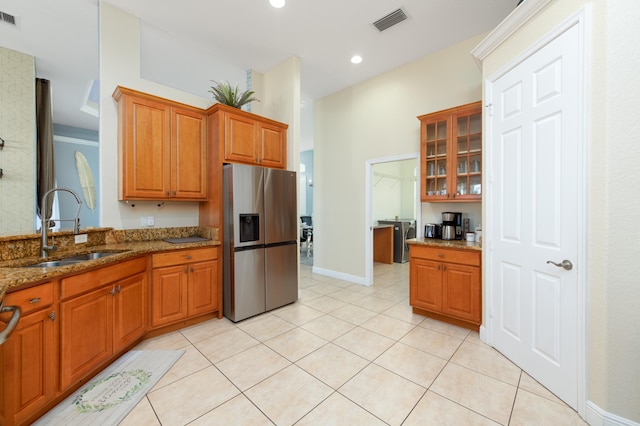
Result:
[[454, 244], [14, 273]]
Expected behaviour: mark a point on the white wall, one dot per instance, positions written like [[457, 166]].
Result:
[[376, 119], [613, 270], [393, 190], [17, 126]]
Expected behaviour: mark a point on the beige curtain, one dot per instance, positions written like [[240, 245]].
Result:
[[44, 140]]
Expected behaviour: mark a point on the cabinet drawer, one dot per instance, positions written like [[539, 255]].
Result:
[[184, 256], [464, 257], [101, 276], [31, 299]]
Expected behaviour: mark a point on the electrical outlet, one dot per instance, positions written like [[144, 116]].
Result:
[[81, 238], [151, 221], [143, 220]]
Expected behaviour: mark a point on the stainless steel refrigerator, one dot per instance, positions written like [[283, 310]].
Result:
[[260, 246]]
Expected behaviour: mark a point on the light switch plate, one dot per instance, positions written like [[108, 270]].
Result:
[[81, 238]]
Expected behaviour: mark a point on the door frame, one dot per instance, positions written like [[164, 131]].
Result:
[[581, 19], [368, 224]]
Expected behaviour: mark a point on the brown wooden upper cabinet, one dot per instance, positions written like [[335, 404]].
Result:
[[248, 138], [451, 154], [162, 148]]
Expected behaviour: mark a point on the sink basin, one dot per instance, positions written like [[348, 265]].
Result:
[[71, 260]]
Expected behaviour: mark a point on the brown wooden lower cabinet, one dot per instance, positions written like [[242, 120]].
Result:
[[76, 325], [446, 282]]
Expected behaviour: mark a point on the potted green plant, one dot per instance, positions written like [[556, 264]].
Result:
[[226, 94]]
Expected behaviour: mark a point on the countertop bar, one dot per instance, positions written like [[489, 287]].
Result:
[[14, 273], [454, 244]]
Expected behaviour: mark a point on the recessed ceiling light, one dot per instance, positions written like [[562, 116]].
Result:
[[277, 3], [356, 59]]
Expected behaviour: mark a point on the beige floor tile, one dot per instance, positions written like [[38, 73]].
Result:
[[189, 398], [482, 394], [265, 327], [295, 344], [436, 410], [444, 328], [412, 364], [328, 327], [365, 343], [403, 313], [533, 409], [190, 362], [474, 337], [306, 295], [353, 314], [529, 384], [388, 327], [288, 395], [227, 344], [298, 314], [332, 364], [347, 295], [390, 294], [430, 341], [252, 366], [374, 303], [173, 340], [488, 361], [339, 411], [324, 288], [325, 304], [207, 329], [238, 411], [382, 393], [142, 414]]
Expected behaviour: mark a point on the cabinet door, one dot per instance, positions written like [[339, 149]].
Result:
[[86, 334], [461, 292], [466, 166], [240, 139], [188, 155], [435, 132], [426, 284], [130, 310], [145, 149], [168, 295], [203, 289], [273, 146], [30, 365]]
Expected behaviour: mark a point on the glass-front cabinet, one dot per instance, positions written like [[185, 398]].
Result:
[[451, 154]]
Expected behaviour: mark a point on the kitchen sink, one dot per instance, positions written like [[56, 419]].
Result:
[[72, 260]]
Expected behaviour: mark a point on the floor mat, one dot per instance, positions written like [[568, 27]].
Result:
[[112, 394]]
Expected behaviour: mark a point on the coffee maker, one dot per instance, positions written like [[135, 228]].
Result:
[[451, 226]]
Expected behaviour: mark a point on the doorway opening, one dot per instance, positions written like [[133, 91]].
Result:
[[390, 191]]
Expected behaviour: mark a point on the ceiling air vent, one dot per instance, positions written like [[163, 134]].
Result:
[[390, 20], [9, 19]]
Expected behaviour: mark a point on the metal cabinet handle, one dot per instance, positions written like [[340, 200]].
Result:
[[566, 264], [438, 267], [444, 267], [34, 300], [52, 315], [188, 257], [186, 269], [113, 291], [13, 322], [118, 288]]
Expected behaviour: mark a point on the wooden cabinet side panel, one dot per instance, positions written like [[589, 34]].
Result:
[[240, 139], [425, 278], [188, 155], [461, 296], [168, 295], [273, 146], [203, 291], [130, 310], [86, 325], [30, 361]]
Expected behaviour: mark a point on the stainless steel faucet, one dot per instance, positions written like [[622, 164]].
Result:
[[44, 227]]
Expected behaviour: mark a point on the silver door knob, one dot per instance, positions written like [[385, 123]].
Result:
[[566, 264]]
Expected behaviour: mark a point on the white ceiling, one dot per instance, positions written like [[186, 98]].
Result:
[[250, 34]]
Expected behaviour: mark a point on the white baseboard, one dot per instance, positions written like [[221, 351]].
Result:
[[341, 276], [596, 416]]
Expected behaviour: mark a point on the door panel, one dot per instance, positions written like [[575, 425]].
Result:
[[533, 213], [281, 269]]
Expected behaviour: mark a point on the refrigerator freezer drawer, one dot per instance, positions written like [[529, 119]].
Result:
[[281, 275]]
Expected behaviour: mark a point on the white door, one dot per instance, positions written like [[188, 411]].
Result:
[[534, 184]]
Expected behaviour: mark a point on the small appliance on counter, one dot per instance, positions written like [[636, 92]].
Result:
[[403, 230], [433, 230], [451, 226]]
